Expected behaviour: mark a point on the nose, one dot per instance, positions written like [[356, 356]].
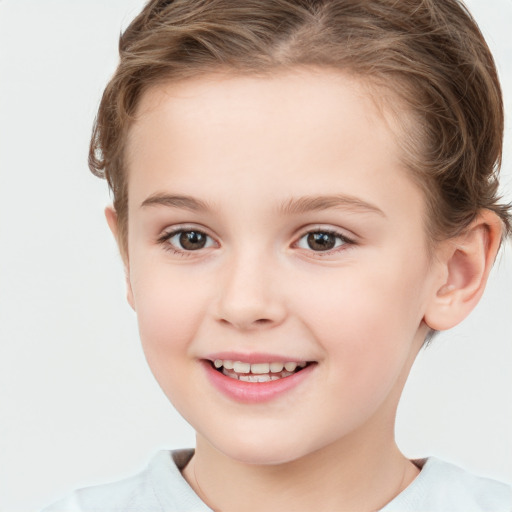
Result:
[[251, 294]]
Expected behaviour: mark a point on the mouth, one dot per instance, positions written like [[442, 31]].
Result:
[[259, 379], [258, 372]]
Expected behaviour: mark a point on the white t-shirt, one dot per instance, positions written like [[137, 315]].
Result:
[[440, 487]]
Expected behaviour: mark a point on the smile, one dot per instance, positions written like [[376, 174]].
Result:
[[258, 372], [258, 381]]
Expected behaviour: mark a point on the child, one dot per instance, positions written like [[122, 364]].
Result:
[[305, 192]]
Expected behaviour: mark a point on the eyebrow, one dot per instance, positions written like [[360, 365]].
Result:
[[316, 203], [173, 201], [293, 206]]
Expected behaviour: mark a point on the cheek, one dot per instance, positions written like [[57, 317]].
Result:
[[366, 322], [361, 304], [169, 310]]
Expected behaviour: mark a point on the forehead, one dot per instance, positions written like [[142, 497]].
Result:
[[290, 133], [315, 94]]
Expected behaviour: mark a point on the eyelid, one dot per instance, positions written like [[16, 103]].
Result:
[[176, 228], [171, 231], [327, 228], [348, 241]]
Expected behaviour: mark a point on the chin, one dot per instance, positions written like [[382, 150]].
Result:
[[263, 450], [267, 456]]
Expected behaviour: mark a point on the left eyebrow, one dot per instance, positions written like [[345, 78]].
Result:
[[306, 204], [177, 201]]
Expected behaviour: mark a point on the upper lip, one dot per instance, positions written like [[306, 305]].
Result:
[[255, 357]]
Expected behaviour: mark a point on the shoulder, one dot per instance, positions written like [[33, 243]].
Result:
[[444, 487], [158, 488]]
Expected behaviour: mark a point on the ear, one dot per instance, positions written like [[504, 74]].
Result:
[[465, 265], [111, 216]]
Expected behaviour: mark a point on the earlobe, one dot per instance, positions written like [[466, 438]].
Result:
[[466, 262], [111, 216]]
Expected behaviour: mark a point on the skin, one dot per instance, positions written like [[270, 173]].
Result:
[[245, 146]]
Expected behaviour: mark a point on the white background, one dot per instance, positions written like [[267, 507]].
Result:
[[77, 404]]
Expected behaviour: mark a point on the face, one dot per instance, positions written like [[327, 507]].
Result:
[[271, 222]]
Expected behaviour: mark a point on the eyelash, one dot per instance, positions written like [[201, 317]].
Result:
[[164, 240], [345, 241]]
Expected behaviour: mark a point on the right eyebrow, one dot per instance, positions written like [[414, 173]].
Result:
[[176, 201]]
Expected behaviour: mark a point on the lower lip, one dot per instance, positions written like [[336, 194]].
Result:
[[254, 392]]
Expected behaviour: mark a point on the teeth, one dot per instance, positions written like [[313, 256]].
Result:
[[258, 368], [230, 374], [227, 364], [276, 367], [239, 367], [255, 378]]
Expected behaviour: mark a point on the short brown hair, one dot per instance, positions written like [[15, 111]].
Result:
[[428, 54]]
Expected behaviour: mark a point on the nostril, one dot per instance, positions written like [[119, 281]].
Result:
[[248, 324]]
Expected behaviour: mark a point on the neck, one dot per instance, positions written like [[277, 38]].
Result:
[[344, 476]]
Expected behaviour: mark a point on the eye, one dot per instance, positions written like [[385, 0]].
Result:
[[322, 241], [187, 240]]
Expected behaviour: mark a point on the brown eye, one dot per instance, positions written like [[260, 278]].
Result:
[[187, 240], [321, 241], [192, 240]]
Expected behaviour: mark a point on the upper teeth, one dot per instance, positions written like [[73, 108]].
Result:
[[257, 368]]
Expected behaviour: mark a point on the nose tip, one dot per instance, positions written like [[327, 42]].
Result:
[[250, 299], [242, 314]]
